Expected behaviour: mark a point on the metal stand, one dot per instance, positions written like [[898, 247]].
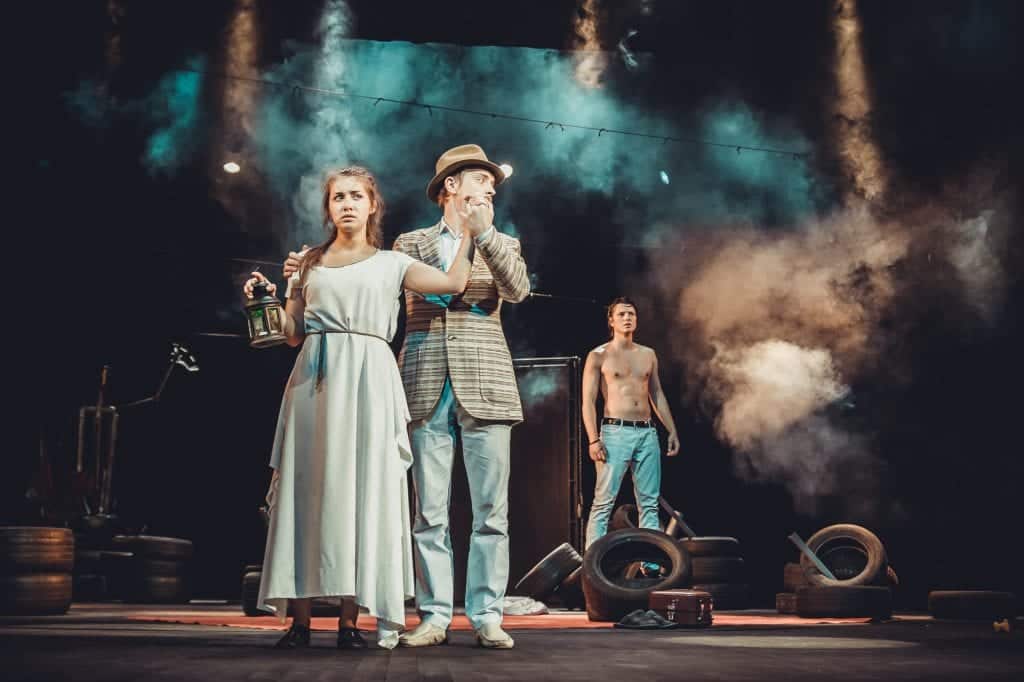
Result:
[[104, 465], [104, 461]]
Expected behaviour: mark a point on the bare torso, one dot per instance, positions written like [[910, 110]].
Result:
[[625, 380]]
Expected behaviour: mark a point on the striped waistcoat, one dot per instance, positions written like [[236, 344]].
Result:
[[461, 336]]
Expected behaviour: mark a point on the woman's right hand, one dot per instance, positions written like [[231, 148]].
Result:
[[252, 281], [294, 260]]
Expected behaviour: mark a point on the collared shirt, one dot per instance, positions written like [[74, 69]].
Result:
[[448, 243]]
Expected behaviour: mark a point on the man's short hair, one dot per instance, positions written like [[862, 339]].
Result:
[[624, 300], [621, 300]]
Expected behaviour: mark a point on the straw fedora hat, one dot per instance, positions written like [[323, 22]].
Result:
[[458, 158]]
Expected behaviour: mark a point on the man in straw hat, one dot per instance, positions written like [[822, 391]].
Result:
[[457, 370]]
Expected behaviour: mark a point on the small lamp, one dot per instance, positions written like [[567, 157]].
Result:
[[266, 318]]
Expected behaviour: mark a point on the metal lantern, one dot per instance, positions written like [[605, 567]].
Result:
[[266, 318]]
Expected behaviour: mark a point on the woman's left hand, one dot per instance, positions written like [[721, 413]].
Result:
[[256, 278]]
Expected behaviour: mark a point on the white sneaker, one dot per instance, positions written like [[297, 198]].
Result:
[[424, 634], [491, 636]]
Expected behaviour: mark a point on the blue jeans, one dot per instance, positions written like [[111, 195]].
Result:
[[628, 448], [485, 453]]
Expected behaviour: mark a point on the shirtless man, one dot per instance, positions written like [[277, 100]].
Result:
[[627, 374]]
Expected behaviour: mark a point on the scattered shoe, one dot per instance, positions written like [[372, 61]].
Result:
[[349, 638], [424, 634], [297, 637], [491, 636], [645, 620], [663, 623], [523, 606]]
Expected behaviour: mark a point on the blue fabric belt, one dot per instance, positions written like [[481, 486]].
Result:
[[321, 356]]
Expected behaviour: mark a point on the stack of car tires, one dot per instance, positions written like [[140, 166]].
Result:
[[35, 570], [862, 577], [149, 569], [718, 566], [719, 570]]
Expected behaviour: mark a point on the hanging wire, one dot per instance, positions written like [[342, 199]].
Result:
[[297, 87]]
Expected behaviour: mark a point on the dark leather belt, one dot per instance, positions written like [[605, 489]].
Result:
[[638, 423]]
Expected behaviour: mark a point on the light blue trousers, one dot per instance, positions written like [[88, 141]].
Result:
[[485, 451], [629, 448]]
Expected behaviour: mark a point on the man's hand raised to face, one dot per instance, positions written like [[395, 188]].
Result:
[[478, 216]]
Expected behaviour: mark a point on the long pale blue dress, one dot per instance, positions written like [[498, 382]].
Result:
[[339, 519]]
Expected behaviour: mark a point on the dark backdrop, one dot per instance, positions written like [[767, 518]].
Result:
[[111, 265]]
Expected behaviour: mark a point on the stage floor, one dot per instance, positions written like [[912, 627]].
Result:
[[215, 642]]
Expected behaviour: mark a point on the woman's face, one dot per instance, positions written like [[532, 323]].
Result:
[[349, 204]]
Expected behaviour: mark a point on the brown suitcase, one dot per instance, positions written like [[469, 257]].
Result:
[[689, 608]]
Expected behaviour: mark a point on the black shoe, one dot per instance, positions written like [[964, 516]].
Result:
[[349, 638], [638, 620], [297, 637], [663, 623]]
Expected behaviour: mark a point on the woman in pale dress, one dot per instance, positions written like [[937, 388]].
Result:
[[339, 522]]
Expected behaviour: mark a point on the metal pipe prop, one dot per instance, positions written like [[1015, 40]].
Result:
[[98, 423], [80, 459], [106, 502], [677, 517], [809, 553]]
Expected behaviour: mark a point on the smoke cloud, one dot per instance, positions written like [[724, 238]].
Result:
[[769, 386], [301, 134], [774, 328], [540, 386], [171, 110], [780, 304]]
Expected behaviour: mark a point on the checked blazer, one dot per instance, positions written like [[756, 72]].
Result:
[[461, 336]]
